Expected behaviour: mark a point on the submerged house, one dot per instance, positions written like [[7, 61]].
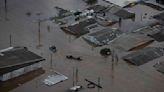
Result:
[[16, 61], [144, 55], [159, 67], [102, 37], [121, 12], [155, 32], [78, 28], [159, 17], [131, 41], [152, 4], [111, 14], [121, 3]]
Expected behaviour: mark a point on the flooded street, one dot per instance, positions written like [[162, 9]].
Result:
[[114, 76]]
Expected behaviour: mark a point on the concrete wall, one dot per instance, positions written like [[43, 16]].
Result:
[[20, 71]]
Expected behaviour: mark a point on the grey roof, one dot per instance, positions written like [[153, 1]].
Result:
[[121, 12], [112, 17], [97, 8], [153, 5], [78, 29], [94, 27], [114, 10], [156, 33], [159, 16], [62, 12], [17, 58], [124, 14], [147, 30], [131, 41], [120, 3], [144, 55], [158, 36], [159, 67], [102, 37]]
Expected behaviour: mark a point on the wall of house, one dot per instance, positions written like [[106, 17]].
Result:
[[20, 71]]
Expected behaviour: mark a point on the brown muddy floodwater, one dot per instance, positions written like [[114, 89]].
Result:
[[114, 76]]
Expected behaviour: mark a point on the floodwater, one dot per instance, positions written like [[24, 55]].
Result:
[[23, 29]]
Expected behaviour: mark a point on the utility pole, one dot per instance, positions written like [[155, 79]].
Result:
[[77, 75], [112, 65], [73, 77], [39, 30], [6, 10], [98, 84], [10, 39], [120, 22], [51, 65]]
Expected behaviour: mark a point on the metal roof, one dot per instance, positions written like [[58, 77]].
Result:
[[102, 37], [159, 67], [17, 58], [97, 8], [159, 16], [144, 55], [131, 41], [78, 29]]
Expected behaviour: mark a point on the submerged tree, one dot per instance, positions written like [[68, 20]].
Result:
[[105, 52]]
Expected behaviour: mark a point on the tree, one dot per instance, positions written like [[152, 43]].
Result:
[[105, 52], [91, 2]]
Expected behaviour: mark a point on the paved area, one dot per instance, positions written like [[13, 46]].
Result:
[[23, 29]]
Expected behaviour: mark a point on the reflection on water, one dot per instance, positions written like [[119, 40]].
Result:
[[16, 82]]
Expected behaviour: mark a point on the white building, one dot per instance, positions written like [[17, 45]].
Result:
[[18, 61]]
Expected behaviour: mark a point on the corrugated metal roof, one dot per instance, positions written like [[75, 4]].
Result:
[[158, 36], [144, 55], [78, 29], [103, 37], [160, 67], [159, 16], [131, 41], [17, 58]]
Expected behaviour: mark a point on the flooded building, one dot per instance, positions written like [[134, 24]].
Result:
[[75, 64], [131, 41], [144, 55], [159, 67], [78, 28], [102, 37], [16, 61]]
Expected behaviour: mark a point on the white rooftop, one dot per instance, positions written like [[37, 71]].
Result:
[[121, 2]]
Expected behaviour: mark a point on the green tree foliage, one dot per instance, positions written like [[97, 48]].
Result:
[[105, 52]]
